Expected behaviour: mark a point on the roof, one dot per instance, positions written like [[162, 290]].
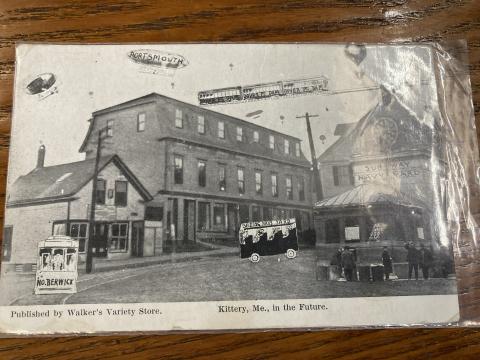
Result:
[[369, 194], [61, 182], [341, 129], [148, 98]]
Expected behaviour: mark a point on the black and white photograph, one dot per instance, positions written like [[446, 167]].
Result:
[[285, 175]]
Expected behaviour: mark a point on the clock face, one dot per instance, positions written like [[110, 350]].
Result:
[[385, 133]]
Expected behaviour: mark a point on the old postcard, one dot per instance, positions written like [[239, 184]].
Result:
[[221, 186]]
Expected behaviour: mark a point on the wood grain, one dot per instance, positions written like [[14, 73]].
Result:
[[277, 21]]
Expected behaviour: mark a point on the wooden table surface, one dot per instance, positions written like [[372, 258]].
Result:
[[277, 21]]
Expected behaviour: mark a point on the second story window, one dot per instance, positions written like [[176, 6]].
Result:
[[241, 180], [258, 183], [109, 128], [141, 122], [221, 130], [202, 173], [274, 185], [256, 136], [239, 133], [201, 124], [101, 192], [271, 142], [222, 177], [120, 193], [301, 188], [286, 147], [178, 118], [342, 175], [297, 149], [288, 185], [178, 170]]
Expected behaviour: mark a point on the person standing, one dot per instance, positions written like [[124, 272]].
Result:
[[348, 264], [387, 263], [413, 258], [426, 260]]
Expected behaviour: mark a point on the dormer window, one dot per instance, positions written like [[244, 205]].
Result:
[[178, 118], [287, 147], [239, 133]]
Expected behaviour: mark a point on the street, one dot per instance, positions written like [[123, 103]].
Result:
[[225, 278]]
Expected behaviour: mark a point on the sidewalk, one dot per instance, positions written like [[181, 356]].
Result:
[[101, 265]]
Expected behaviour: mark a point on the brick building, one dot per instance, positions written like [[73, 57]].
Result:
[[207, 172]]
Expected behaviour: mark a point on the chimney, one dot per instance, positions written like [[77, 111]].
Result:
[[41, 157]]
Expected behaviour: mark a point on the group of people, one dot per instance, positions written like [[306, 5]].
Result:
[[345, 259]]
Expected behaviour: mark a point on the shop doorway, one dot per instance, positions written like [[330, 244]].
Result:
[[189, 220], [137, 238], [100, 240]]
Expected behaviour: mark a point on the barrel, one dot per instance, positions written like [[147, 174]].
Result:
[[364, 273], [378, 273]]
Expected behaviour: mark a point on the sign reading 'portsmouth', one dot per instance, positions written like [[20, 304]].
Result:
[[158, 58]]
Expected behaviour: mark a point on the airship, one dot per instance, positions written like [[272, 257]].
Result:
[[41, 83]]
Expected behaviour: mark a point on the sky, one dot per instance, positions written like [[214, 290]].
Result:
[[92, 77]]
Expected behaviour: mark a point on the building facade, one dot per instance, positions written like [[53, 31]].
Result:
[[55, 200], [207, 172], [381, 181]]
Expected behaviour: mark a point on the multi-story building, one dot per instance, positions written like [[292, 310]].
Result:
[[207, 171]]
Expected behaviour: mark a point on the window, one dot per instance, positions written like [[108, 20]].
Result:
[[239, 133], [141, 122], [202, 173], [297, 149], [203, 216], [178, 118], [241, 180], [222, 172], [221, 130], [101, 191], [301, 189], [256, 213], [286, 147], [7, 243], [274, 185], [256, 137], [154, 213], [79, 231], [178, 171], [258, 183], [342, 175], [59, 229], [118, 237], [109, 128], [201, 124], [271, 142], [120, 193], [219, 216], [288, 183]]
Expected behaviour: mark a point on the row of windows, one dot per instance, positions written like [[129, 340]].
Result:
[[222, 181], [239, 134], [119, 193], [117, 234]]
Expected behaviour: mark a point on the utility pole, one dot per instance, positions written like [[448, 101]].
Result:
[[316, 172], [91, 221]]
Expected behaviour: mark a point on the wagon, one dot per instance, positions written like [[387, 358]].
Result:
[[265, 238]]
